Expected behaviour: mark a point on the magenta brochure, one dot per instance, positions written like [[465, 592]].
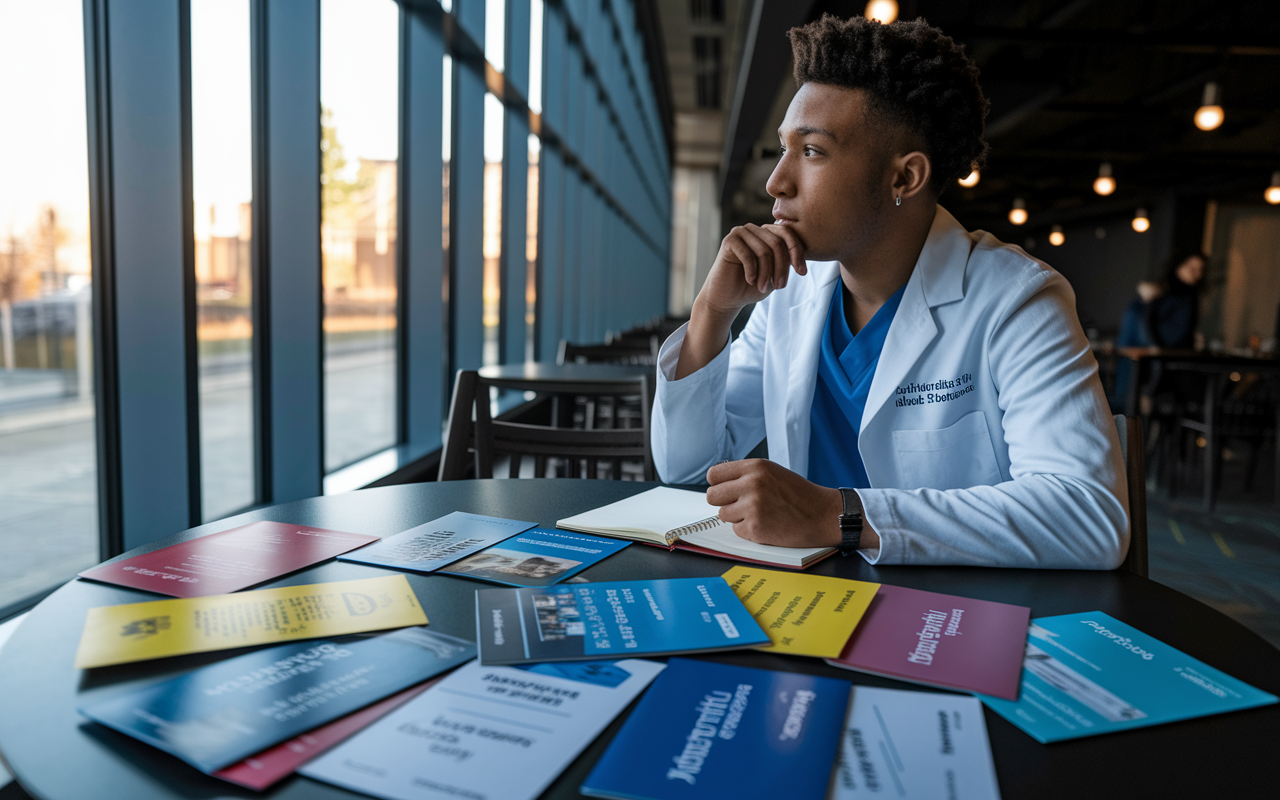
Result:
[[708, 730], [622, 619], [502, 733], [439, 542], [1090, 673], [939, 640], [536, 558]]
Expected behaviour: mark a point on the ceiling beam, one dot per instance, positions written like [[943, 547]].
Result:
[[1207, 45], [765, 55]]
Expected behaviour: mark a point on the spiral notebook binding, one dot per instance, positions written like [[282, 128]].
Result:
[[707, 524]]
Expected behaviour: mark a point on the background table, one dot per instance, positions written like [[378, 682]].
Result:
[[56, 753]]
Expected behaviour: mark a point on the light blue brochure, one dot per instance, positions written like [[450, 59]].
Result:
[[438, 543], [1088, 673]]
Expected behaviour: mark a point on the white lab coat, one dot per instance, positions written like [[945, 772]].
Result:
[[986, 436]]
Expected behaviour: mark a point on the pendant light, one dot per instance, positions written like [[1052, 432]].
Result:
[[970, 180], [1055, 236], [1104, 184], [1018, 214], [1273, 191], [1209, 115], [1140, 222], [882, 11]]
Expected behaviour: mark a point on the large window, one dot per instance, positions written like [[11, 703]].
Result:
[[222, 177], [48, 473], [359, 84], [273, 311]]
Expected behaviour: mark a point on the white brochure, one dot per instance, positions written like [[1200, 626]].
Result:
[[914, 745], [487, 733]]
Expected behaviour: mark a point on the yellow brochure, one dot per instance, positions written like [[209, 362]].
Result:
[[805, 615], [141, 631]]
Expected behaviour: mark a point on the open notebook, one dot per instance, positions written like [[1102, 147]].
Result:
[[680, 518]]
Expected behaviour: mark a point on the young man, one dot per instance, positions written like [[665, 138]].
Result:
[[927, 393]]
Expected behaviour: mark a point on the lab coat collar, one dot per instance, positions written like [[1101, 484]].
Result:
[[938, 278], [943, 259]]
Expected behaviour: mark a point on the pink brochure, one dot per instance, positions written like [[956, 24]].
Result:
[[940, 640], [228, 561], [277, 763]]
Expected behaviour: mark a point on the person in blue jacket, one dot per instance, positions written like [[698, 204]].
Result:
[[927, 393]]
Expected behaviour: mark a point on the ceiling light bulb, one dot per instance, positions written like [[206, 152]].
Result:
[[1273, 191], [1055, 236], [1018, 214], [970, 180], [1104, 184], [1140, 221], [1209, 115], [882, 11]]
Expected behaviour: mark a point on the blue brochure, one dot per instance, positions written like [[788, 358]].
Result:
[[429, 547], [536, 558], [714, 730], [1085, 674], [625, 619], [222, 713]]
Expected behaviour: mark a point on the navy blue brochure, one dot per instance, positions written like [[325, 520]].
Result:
[[621, 619], [714, 730], [536, 557], [228, 711]]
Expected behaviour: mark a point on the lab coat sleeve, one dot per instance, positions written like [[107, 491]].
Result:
[[715, 414], [1066, 505]]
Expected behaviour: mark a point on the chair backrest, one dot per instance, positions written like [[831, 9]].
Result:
[[475, 438], [1131, 447], [642, 352]]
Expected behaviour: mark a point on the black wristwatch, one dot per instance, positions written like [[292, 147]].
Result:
[[850, 521]]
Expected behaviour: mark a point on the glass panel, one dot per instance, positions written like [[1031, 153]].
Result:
[[531, 250], [359, 87], [492, 230], [495, 25], [535, 56], [222, 180], [446, 155], [48, 466]]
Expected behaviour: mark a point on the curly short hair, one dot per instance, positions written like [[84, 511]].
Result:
[[914, 76]]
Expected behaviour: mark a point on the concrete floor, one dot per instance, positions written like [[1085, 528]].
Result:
[[1228, 559]]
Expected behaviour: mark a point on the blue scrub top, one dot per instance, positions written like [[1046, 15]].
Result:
[[845, 368]]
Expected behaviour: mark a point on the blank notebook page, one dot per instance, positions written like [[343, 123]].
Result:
[[657, 511]]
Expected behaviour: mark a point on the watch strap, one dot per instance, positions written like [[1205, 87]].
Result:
[[850, 521]]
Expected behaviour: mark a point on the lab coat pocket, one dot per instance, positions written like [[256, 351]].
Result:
[[955, 457]]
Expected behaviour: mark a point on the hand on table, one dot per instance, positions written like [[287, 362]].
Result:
[[772, 505]]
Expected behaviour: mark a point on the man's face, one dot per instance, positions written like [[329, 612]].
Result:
[[831, 182]]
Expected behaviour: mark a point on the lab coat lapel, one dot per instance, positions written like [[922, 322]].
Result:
[[807, 319], [937, 279]]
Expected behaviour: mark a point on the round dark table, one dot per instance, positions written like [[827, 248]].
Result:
[[56, 753]]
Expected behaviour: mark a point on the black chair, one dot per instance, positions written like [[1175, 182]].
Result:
[[1135, 469], [475, 439], [619, 352]]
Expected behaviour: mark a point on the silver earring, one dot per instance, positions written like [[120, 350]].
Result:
[[897, 200]]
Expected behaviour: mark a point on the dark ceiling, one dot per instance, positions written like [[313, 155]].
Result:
[[1074, 83]]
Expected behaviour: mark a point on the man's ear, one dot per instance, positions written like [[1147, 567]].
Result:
[[911, 174]]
